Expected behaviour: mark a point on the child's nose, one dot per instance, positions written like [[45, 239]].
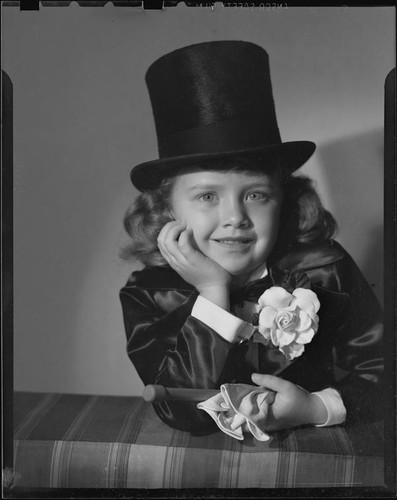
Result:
[[235, 214]]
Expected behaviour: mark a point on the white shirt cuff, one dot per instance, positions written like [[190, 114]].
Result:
[[334, 404], [227, 325]]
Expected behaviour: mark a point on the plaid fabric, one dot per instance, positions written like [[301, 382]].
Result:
[[77, 441]]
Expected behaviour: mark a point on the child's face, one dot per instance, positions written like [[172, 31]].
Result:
[[234, 216]]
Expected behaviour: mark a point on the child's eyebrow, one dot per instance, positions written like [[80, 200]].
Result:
[[205, 186], [264, 184]]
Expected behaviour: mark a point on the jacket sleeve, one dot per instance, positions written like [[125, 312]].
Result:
[[176, 350], [358, 349]]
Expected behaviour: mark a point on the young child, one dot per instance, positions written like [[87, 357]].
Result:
[[220, 219]]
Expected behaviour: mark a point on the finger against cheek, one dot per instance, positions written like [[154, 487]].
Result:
[[166, 233], [164, 253], [176, 263], [189, 235], [168, 244], [171, 243], [176, 254], [183, 241], [188, 239], [192, 240], [177, 230], [162, 235], [173, 234], [163, 244], [166, 229]]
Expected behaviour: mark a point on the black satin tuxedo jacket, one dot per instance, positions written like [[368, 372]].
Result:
[[169, 347]]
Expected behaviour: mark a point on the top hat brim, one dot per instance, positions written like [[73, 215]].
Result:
[[293, 154]]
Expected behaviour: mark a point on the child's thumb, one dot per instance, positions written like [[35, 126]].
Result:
[[269, 381]]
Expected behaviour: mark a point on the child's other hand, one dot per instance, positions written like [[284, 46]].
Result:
[[212, 281], [292, 406]]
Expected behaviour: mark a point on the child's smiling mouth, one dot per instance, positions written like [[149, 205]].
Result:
[[234, 242]]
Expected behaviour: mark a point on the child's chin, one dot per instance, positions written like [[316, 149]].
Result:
[[236, 267], [239, 271], [236, 271]]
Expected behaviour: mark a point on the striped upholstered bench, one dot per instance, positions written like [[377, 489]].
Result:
[[77, 441]]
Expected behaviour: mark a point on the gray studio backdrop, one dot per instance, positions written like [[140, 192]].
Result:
[[82, 119]]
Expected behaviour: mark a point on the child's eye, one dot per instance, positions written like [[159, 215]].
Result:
[[207, 197], [256, 196]]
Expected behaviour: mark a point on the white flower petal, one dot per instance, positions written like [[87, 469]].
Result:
[[306, 300], [276, 297], [287, 320], [305, 337], [291, 307], [292, 351], [315, 320], [296, 350], [266, 317], [305, 321], [284, 338]]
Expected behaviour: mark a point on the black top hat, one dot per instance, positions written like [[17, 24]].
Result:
[[214, 100]]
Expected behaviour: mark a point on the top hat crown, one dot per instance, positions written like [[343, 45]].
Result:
[[214, 100]]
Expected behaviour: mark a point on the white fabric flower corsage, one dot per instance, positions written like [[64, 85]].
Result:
[[288, 321]]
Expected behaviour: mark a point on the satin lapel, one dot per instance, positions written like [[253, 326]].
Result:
[[252, 291], [304, 257], [272, 361]]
